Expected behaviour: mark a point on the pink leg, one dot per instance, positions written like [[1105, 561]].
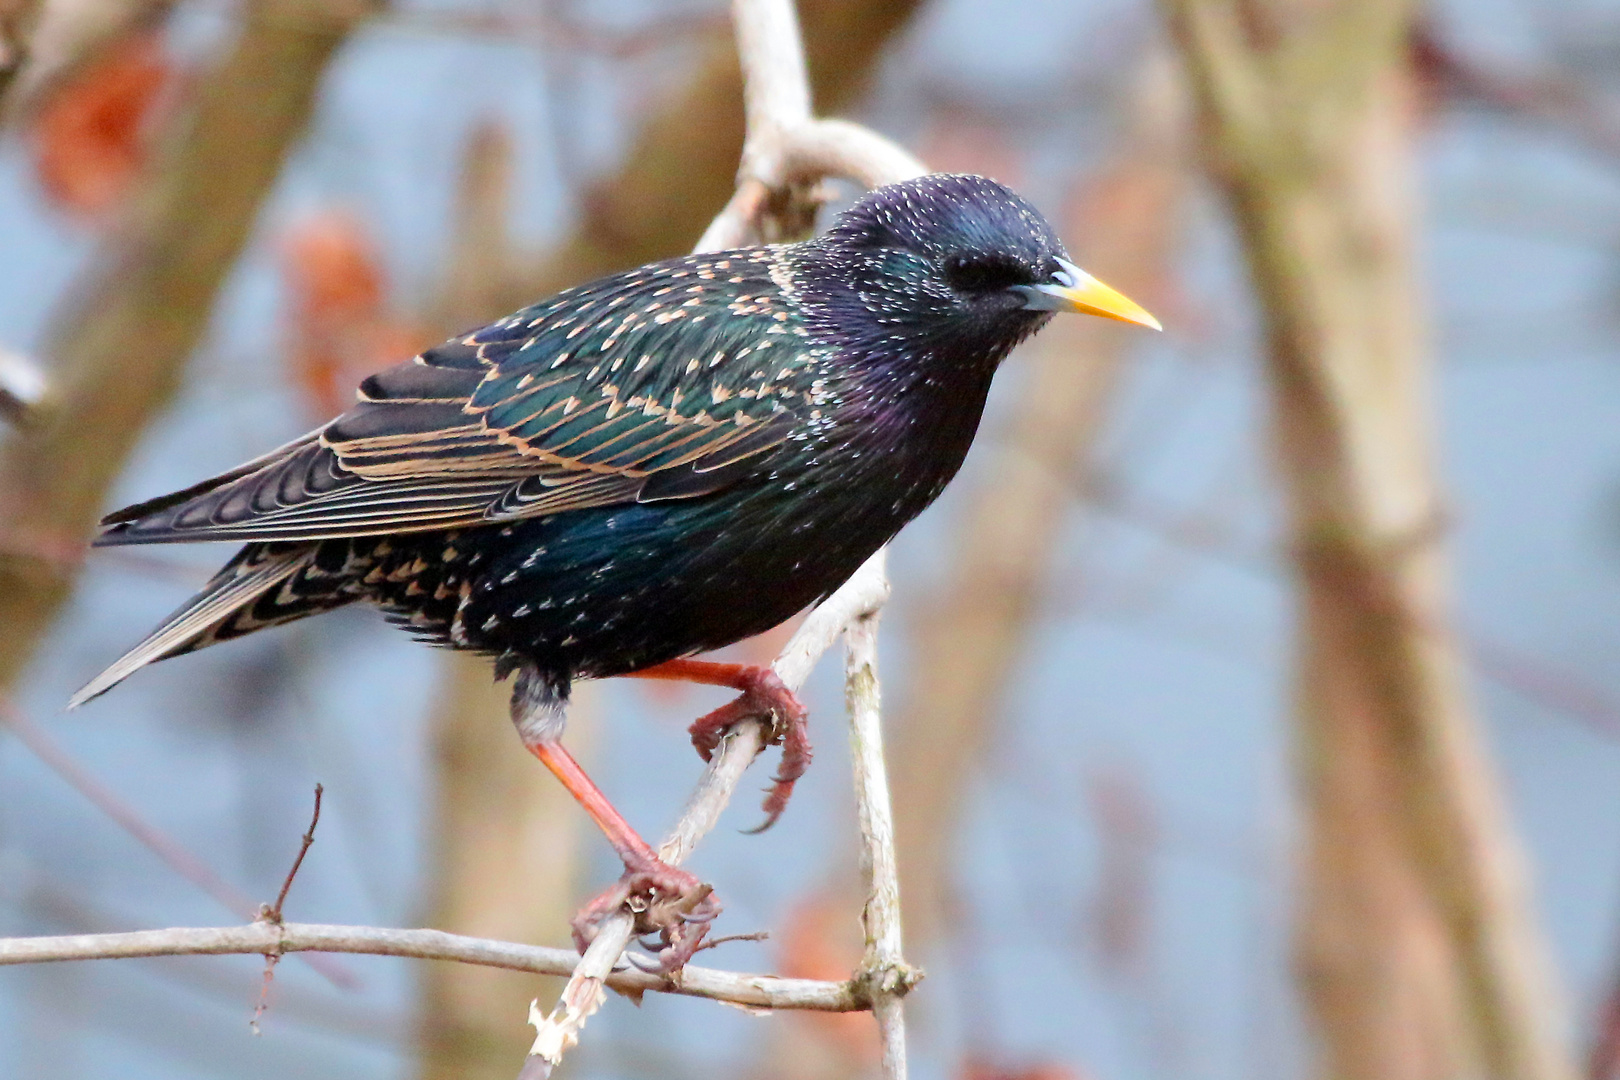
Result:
[[763, 694], [667, 901]]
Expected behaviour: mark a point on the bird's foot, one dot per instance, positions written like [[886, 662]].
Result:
[[672, 908], [763, 695]]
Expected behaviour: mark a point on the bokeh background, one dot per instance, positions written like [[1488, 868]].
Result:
[[1091, 653]]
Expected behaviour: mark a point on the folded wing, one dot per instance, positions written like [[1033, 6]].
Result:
[[656, 384]]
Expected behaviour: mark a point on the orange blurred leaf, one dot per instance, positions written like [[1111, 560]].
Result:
[[339, 326], [332, 268], [823, 941], [977, 1069], [92, 135]]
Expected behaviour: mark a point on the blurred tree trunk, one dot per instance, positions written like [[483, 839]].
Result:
[[969, 641], [122, 346], [1418, 953], [17, 21]]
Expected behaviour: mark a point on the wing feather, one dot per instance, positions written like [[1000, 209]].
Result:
[[649, 385]]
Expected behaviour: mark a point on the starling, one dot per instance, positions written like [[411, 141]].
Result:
[[642, 468]]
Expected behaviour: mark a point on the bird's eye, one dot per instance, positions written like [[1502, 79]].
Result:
[[978, 273]]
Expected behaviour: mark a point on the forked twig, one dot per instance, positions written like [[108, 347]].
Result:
[[159, 843], [271, 913]]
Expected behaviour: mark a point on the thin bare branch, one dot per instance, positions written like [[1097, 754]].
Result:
[[776, 83], [271, 913], [305, 842], [884, 971], [259, 938]]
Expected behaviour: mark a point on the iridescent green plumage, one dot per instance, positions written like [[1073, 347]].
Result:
[[652, 464], [568, 404]]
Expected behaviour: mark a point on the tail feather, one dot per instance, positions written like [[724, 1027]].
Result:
[[252, 574]]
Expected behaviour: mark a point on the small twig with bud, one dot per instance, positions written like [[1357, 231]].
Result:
[[270, 914], [273, 912]]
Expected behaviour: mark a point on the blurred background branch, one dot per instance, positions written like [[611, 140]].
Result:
[[17, 21], [1550, 99], [1420, 957], [134, 321], [977, 628]]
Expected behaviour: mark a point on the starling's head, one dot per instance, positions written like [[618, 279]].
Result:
[[953, 261]]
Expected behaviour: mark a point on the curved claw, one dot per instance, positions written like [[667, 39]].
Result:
[[650, 966], [672, 911], [796, 754], [770, 819]]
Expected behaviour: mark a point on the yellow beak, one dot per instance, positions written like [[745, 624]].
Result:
[[1072, 289]]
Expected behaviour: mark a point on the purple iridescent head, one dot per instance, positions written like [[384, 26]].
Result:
[[950, 261]]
